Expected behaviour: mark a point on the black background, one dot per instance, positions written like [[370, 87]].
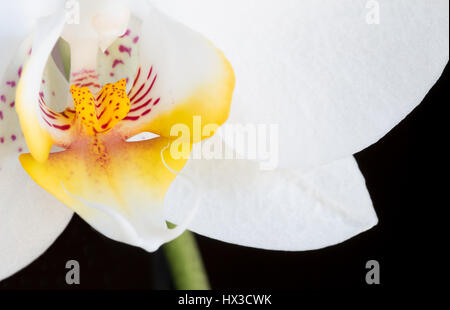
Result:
[[407, 180]]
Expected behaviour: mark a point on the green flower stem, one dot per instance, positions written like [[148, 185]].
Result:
[[184, 258], [185, 263]]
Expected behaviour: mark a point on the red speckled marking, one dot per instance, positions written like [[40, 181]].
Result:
[[142, 105], [75, 74], [124, 49], [127, 33], [101, 114], [60, 121], [147, 92], [149, 73], [46, 113], [63, 127], [86, 78], [137, 95], [131, 118], [90, 84], [117, 62], [136, 79], [104, 126], [146, 112]]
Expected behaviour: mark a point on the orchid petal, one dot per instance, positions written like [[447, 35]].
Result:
[[101, 20], [34, 128], [333, 75], [171, 87], [30, 219], [11, 138], [276, 210], [121, 59], [17, 20]]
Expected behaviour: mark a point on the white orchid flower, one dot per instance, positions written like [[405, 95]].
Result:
[[335, 76]]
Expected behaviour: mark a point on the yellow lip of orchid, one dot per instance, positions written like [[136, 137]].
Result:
[[101, 171], [118, 186]]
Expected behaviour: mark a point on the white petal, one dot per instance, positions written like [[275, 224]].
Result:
[[33, 125], [181, 75], [13, 31], [334, 82], [11, 138], [121, 59], [17, 19], [54, 89], [30, 218], [100, 20], [277, 210]]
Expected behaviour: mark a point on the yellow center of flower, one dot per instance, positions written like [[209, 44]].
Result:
[[101, 114]]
